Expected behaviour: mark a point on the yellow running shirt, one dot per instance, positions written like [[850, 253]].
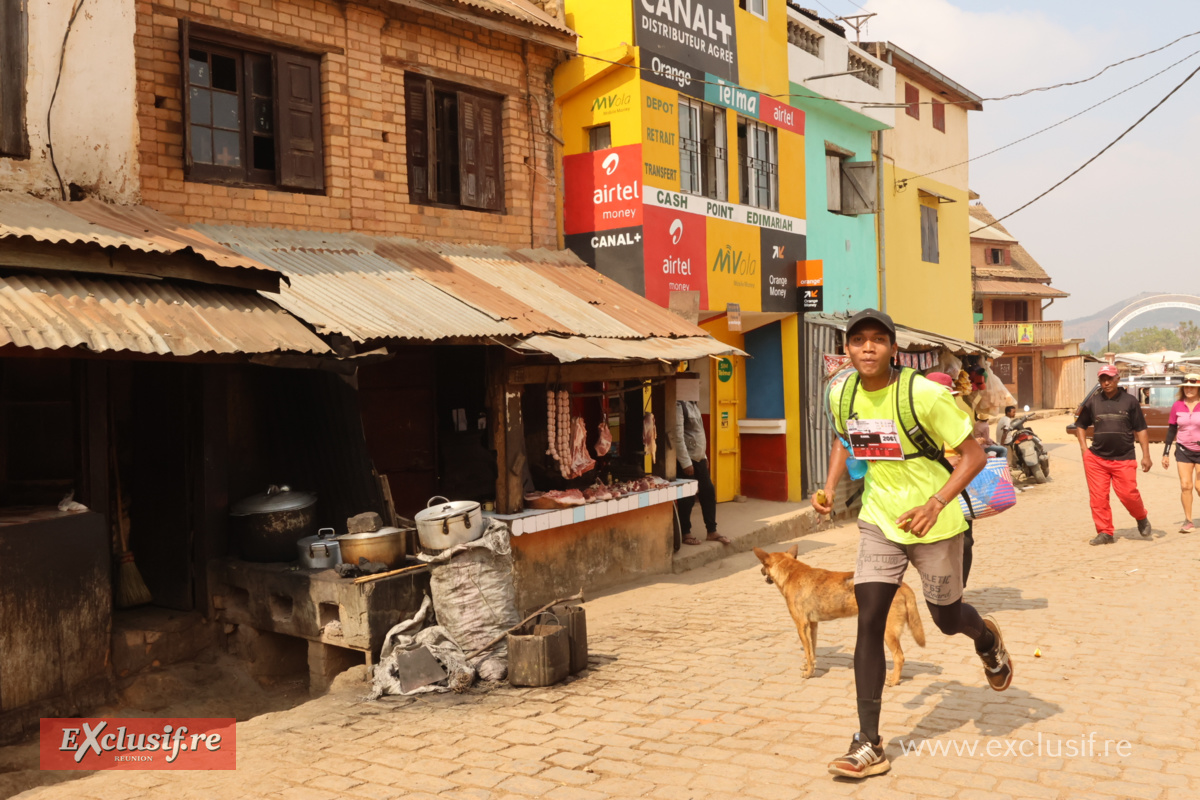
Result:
[[893, 487]]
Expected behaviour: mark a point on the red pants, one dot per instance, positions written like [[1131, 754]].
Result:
[[1122, 476]]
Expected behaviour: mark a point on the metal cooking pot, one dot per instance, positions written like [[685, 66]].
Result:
[[267, 526], [385, 545], [321, 551], [448, 524]]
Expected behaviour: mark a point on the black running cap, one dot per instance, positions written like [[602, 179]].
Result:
[[871, 315]]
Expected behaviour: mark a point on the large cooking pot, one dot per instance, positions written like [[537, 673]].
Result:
[[385, 545], [321, 551], [447, 524], [267, 526]]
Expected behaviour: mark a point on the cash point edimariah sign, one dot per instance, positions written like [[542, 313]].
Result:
[[138, 743], [701, 33]]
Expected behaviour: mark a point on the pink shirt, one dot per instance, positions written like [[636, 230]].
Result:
[[1188, 422]]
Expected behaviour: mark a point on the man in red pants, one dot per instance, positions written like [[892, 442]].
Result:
[[1117, 417]]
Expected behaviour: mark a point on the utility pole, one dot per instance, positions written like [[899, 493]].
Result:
[[856, 21]]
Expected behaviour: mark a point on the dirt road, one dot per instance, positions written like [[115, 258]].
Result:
[[695, 689]]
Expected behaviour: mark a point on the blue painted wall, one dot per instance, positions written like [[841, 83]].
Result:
[[845, 244], [764, 373]]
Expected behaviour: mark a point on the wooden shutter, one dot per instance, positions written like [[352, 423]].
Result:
[[14, 57], [833, 182], [490, 153], [416, 122], [470, 189], [929, 234], [858, 187], [298, 112], [913, 97], [939, 116], [185, 47]]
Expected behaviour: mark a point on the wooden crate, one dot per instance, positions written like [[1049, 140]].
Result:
[[540, 658]]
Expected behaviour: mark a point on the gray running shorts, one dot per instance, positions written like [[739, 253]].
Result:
[[940, 564]]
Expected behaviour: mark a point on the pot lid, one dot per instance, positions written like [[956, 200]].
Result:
[[327, 535], [379, 534], [446, 509], [275, 498]]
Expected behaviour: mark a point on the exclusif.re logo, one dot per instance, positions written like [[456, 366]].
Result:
[[141, 743]]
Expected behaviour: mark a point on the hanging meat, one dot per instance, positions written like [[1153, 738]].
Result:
[[649, 435], [580, 461], [564, 433], [604, 441], [552, 424]]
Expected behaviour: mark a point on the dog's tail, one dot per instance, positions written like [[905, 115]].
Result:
[[911, 614]]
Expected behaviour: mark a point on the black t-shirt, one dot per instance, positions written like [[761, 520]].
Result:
[[1116, 421]]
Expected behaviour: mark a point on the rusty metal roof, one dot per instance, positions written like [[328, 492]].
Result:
[[577, 348], [984, 287], [92, 222], [392, 288], [104, 314], [522, 10]]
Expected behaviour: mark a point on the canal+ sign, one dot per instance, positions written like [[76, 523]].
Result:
[[698, 33]]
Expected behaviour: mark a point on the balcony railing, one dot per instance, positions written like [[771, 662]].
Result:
[[1002, 334]]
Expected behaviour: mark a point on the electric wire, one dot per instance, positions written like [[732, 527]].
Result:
[[1188, 57], [1107, 147], [845, 101], [62, 57]]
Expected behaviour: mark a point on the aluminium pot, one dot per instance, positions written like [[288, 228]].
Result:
[[321, 551], [385, 546], [266, 526], [446, 524]]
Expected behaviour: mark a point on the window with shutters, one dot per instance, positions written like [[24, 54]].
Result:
[[850, 186], [929, 234], [252, 112], [912, 96], [998, 255], [758, 165], [703, 167], [14, 57], [939, 116], [454, 145]]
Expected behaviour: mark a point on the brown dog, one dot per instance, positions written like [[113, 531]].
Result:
[[818, 595]]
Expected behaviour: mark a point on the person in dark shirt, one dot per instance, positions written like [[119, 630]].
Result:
[[1111, 461]]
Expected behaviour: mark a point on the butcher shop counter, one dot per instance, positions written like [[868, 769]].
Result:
[[537, 519], [558, 552]]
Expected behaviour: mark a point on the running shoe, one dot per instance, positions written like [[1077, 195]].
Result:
[[862, 760], [997, 665], [1102, 538], [1188, 527], [1144, 528]]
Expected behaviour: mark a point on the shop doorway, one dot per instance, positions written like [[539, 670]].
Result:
[[1025, 381]]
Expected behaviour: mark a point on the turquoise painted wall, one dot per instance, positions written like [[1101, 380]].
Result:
[[845, 244]]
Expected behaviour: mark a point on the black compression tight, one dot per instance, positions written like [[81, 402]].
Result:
[[874, 602]]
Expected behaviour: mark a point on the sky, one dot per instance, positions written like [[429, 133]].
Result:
[[1128, 222]]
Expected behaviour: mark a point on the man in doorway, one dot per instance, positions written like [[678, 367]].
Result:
[[909, 514], [688, 439], [1111, 460]]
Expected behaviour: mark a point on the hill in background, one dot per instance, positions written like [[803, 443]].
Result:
[[1093, 328]]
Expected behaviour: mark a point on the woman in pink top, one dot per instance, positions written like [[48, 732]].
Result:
[[1184, 422]]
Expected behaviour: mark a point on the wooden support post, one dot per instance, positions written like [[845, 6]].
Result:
[[666, 466], [508, 433]]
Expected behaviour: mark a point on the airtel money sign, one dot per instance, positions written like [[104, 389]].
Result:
[[603, 190], [675, 254], [698, 33]]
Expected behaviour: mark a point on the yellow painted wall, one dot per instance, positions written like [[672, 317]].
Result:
[[917, 146], [792, 172], [762, 49], [660, 133], [613, 98], [932, 297], [728, 396], [602, 25]]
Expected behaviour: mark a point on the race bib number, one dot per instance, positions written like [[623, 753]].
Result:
[[874, 440]]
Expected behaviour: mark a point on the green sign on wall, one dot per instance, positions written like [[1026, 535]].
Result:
[[724, 370]]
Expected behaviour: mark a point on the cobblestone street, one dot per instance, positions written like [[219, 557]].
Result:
[[694, 691]]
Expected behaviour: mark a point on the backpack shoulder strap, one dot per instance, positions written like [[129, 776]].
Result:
[[846, 403], [906, 413]]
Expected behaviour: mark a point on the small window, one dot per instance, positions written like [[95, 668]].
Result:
[[14, 57], [758, 165], [252, 113], [703, 161], [756, 7], [600, 137], [929, 234], [454, 150], [997, 255], [912, 96], [939, 116], [850, 186]]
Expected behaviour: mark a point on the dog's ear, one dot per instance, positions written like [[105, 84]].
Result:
[[793, 550], [762, 555]]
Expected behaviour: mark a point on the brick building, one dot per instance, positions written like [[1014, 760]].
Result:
[[265, 76]]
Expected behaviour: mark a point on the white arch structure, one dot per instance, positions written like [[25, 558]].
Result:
[[1148, 304]]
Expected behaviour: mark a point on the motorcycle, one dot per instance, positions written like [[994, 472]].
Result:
[[1025, 451]]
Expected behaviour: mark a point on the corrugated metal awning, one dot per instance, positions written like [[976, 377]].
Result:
[[92, 222], [370, 288], [580, 348], [913, 338], [48, 312], [1010, 288], [524, 11]]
